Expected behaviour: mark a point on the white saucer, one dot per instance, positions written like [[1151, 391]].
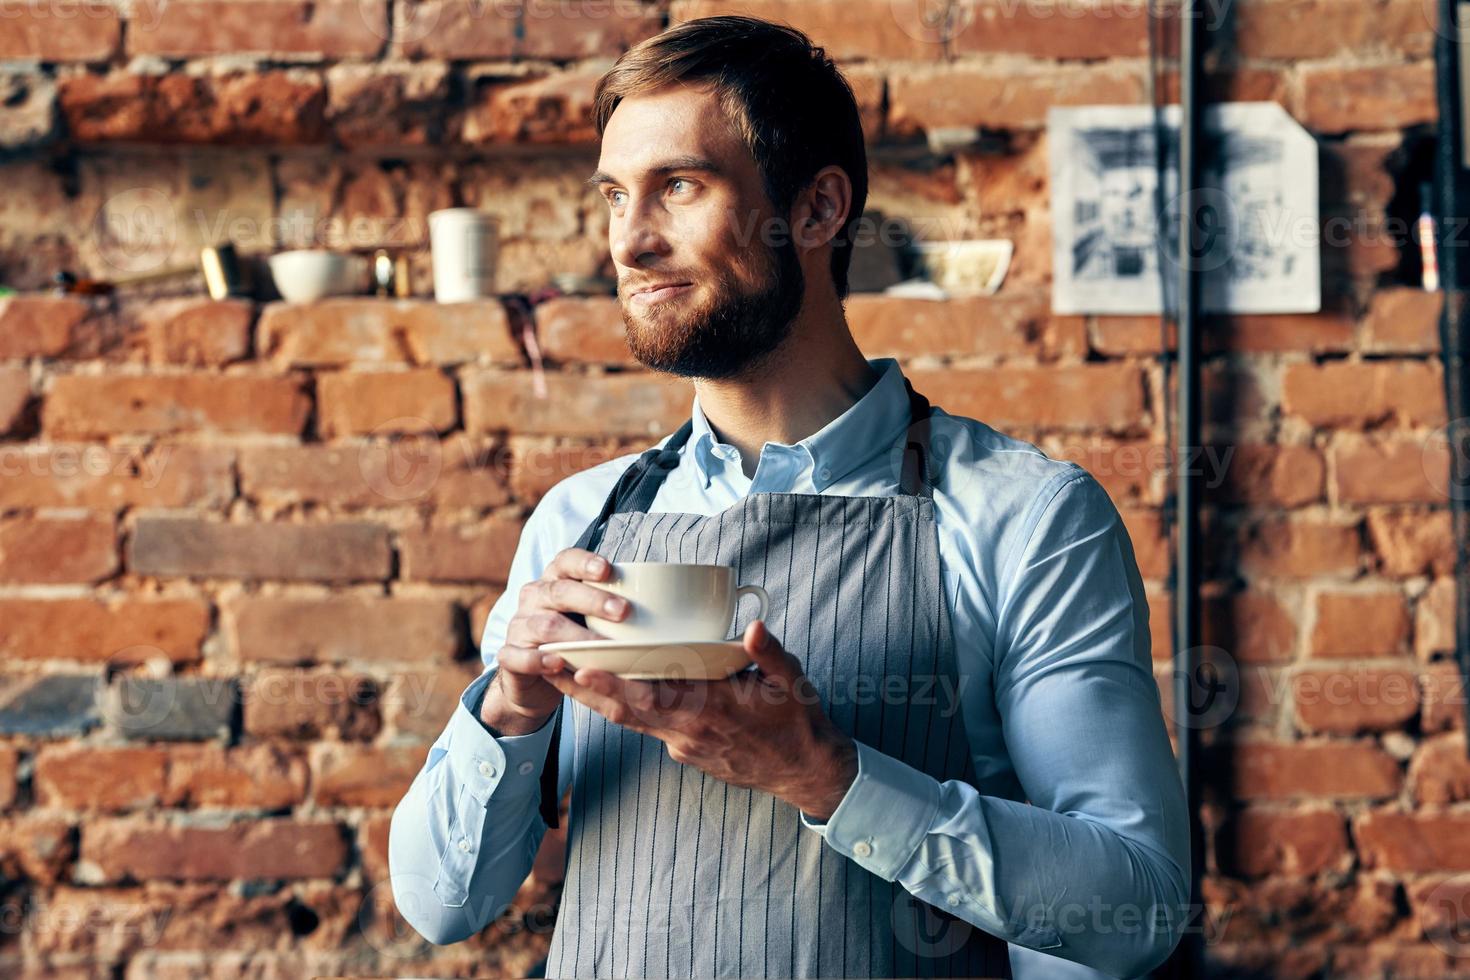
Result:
[[655, 660]]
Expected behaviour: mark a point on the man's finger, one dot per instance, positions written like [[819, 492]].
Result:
[[769, 656], [577, 563], [628, 714]]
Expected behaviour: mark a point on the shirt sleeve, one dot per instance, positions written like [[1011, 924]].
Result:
[[1095, 868], [463, 838]]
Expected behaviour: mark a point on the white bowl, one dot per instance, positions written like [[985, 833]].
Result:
[[307, 274]]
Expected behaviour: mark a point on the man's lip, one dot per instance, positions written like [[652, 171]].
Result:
[[663, 285]]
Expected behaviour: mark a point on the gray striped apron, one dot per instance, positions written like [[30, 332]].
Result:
[[672, 873]]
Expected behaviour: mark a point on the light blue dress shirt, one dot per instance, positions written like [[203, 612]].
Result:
[[1050, 621]]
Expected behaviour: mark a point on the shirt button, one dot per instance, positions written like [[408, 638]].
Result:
[[487, 770], [525, 767], [952, 900], [824, 473], [464, 845], [862, 848]]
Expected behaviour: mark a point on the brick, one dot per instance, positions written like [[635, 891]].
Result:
[[1440, 770], [266, 28], [338, 552], [68, 30], [123, 849], [57, 550], [539, 464], [1360, 394], [1088, 396], [1281, 547], [1412, 542], [1353, 700], [372, 105], [261, 776], [159, 919], [1397, 841], [363, 775], [300, 704], [419, 703], [530, 29], [450, 472], [846, 29], [175, 708], [15, 393], [255, 108], [461, 553], [1324, 769], [1020, 325], [1252, 627], [1337, 99], [40, 847], [1442, 698], [107, 478], [356, 403], [1008, 98], [641, 403], [346, 331], [1316, 333], [1434, 620], [1392, 960], [372, 844], [1403, 321], [343, 628], [556, 109], [96, 405], [198, 332], [1150, 542], [1376, 470], [126, 630], [1279, 475], [1053, 30], [1257, 842], [100, 778], [1291, 30], [48, 706], [33, 325], [1360, 623], [582, 330], [9, 763]]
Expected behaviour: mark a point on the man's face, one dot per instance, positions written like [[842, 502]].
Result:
[[687, 208]]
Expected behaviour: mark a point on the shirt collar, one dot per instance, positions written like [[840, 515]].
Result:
[[839, 446]]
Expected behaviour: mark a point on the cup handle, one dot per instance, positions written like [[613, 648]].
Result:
[[759, 593]]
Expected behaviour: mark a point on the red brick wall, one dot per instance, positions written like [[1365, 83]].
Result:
[[233, 613]]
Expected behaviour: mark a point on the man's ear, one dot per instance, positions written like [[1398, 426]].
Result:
[[821, 209]]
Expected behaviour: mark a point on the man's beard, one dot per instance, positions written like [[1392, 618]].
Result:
[[731, 335]]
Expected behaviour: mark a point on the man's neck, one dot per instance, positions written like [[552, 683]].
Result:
[[816, 376]]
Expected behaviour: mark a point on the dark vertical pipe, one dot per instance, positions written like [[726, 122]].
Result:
[[1187, 499], [1451, 205]]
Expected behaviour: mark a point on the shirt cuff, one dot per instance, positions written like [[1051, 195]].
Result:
[[884, 816], [483, 760]]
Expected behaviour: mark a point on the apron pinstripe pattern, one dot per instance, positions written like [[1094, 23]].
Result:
[[672, 873]]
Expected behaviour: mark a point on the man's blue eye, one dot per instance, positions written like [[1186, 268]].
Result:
[[613, 198], [678, 180]]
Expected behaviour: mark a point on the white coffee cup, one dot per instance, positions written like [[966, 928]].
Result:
[[674, 602], [463, 245]]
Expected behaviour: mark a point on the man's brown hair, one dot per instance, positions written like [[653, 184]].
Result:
[[787, 100]]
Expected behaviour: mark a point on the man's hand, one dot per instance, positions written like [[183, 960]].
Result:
[[763, 729], [519, 699]]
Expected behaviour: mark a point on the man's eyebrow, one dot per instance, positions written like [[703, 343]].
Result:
[[703, 164]]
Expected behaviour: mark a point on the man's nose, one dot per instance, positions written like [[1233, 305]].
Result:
[[638, 236]]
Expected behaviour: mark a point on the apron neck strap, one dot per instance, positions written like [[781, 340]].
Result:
[[915, 477]]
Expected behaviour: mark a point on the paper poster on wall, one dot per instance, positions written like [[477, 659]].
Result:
[[1258, 239]]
